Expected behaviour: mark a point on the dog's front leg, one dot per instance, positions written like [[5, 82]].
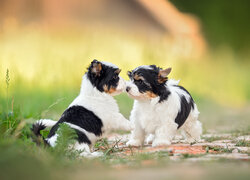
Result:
[[137, 136], [122, 123], [164, 134], [150, 139]]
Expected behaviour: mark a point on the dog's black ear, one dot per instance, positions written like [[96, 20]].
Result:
[[118, 71], [162, 76], [129, 73], [96, 67]]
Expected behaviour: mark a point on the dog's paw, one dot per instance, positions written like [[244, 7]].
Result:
[[150, 139], [91, 155], [192, 140], [97, 154], [134, 142], [160, 142]]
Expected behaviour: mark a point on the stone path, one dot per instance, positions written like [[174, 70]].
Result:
[[211, 147]]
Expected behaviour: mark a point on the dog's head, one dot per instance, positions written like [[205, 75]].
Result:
[[105, 77], [147, 82]]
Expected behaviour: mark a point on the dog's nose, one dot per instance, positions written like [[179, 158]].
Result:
[[128, 88]]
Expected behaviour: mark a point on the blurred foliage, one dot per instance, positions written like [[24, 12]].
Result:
[[224, 23], [45, 70], [57, 60]]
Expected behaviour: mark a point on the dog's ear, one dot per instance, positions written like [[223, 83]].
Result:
[[162, 76], [129, 73], [96, 67], [118, 71]]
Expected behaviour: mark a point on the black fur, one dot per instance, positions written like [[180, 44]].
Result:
[[80, 116], [82, 138], [36, 128], [191, 99], [108, 76], [152, 84], [185, 108]]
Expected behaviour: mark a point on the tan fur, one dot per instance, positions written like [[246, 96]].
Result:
[[137, 77], [97, 67], [151, 94], [162, 76], [107, 90], [165, 72], [118, 71], [162, 79]]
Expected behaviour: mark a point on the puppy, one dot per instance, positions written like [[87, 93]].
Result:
[[160, 108], [94, 111]]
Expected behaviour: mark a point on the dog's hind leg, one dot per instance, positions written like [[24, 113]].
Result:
[[52, 140], [192, 128], [193, 131], [85, 150], [165, 134]]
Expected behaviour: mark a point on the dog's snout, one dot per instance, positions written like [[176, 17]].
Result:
[[128, 88]]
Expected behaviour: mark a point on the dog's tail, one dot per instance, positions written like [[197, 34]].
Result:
[[41, 125]]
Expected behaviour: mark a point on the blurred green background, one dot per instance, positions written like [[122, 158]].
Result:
[[47, 52], [46, 47], [224, 23]]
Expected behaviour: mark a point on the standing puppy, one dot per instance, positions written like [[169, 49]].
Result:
[[160, 107], [94, 111]]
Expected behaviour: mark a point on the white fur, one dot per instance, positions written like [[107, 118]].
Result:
[[143, 67], [158, 119], [47, 122], [52, 140], [120, 87], [134, 92], [101, 104], [109, 64], [85, 150], [92, 137]]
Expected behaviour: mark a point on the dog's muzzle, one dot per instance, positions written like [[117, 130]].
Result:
[[128, 88]]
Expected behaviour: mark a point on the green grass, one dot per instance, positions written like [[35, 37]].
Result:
[[214, 138], [243, 143], [219, 149]]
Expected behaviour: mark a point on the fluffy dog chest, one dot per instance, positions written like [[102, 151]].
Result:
[[147, 116]]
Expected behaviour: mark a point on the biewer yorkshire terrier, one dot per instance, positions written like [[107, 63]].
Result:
[[161, 107], [94, 111]]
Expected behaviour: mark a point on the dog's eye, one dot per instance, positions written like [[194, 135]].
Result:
[[140, 81], [115, 76]]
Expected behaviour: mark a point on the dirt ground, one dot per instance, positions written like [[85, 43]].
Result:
[[212, 146], [217, 156]]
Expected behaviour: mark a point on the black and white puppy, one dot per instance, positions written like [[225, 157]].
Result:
[[94, 111], [161, 107]]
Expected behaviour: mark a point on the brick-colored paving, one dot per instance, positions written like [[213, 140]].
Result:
[[210, 147], [172, 149]]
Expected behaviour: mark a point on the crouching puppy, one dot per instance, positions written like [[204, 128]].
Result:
[[94, 111], [160, 108]]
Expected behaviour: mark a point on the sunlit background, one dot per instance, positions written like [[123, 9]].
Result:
[[46, 46]]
